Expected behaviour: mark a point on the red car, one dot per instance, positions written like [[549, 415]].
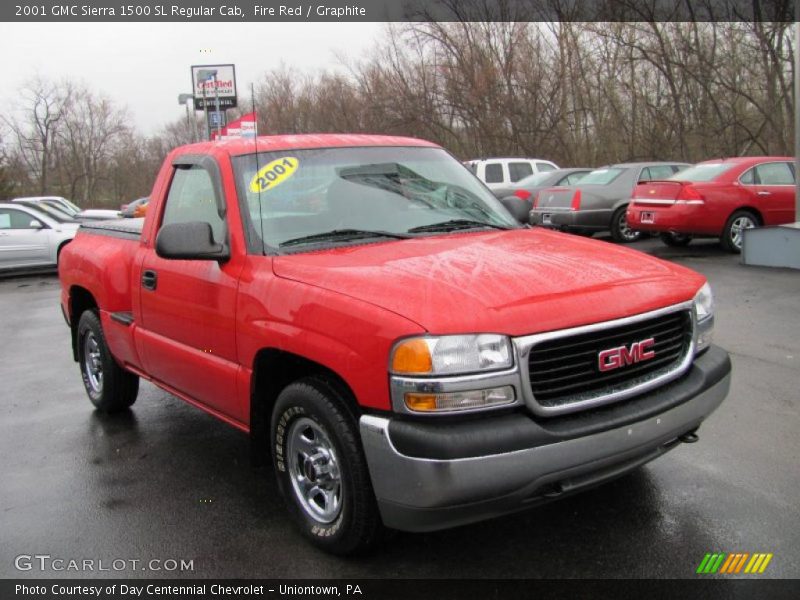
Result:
[[716, 198]]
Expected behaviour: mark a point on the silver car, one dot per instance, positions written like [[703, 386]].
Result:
[[32, 238], [72, 209]]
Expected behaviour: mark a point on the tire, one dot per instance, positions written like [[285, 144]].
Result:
[[321, 469], [110, 387], [675, 240], [620, 231], [731, 239]]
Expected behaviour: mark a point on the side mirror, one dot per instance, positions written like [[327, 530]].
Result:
[[519, 209], [190, 241], [34, 224]]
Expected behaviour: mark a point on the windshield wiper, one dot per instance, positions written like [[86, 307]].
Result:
[[455, 224], [344, 235]]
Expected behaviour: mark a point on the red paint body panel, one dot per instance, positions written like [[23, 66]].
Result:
[[198, 334], [721, 197]]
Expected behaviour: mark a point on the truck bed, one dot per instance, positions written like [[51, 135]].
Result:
[[121, 228]]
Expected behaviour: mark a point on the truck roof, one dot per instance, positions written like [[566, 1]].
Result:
[[269, 143]]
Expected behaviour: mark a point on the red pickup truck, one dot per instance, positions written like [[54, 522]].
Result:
[[407, 353]]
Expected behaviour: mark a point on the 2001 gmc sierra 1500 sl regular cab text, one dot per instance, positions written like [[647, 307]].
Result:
[[406, 352]]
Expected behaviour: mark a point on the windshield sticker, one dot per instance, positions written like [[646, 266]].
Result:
[[274, 174]]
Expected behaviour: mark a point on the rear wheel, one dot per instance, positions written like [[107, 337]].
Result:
[[620, 230], [733, 232], [675, 239], [110, 387], [321, 469]]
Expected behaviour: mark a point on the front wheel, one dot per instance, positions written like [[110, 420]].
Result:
[[733, 232], [321, 470], [620, 230], [110, 387], [675, 239]]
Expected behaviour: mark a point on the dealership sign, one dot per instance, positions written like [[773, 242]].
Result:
[[212, 83]]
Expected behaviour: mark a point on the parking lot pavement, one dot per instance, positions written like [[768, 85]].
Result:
[[165, 481]]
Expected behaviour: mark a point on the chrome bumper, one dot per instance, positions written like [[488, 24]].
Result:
[[424, 494]]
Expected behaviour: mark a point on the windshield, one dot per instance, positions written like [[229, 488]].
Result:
[[600, 177], [63, 208], [53, 213], [532, 180], [297, 197], [703, 172]]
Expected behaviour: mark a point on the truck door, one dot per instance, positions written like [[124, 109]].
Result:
[[775, 190], [188, 307]]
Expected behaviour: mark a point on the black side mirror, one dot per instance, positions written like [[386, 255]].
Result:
[[519, 209], [189, 241]]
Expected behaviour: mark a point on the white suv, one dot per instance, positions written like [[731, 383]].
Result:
[[500, 172]]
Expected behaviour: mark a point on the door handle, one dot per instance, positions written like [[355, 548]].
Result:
[[764, 193], [149, 280]]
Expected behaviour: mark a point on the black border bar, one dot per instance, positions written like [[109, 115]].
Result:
[[240, 11]]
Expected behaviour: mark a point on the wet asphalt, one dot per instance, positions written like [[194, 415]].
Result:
[[165, 481]]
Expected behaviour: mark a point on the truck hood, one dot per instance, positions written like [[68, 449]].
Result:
[[514, 282]]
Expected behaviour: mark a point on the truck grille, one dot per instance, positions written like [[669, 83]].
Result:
[[566, 370]]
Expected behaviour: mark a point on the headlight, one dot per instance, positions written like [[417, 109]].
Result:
[[704, 308], [451, 355], [704, 302]]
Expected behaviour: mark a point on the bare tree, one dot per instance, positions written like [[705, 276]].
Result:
[[35, 132]]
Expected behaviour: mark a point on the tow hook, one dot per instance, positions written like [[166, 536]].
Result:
[[689, 438]]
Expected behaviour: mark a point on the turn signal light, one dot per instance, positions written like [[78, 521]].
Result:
[[454, 401], [412, 356]]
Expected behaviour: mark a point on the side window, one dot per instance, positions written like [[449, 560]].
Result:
[[191, 198], [494, 173], [543, 167], [572, 179], [748, 177], [519, 170], [645, 175], [16, 219], [777, 173]]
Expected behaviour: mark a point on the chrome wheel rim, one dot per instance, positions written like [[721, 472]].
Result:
[[314, 470], [625, 231], [737, 228], [92, 362]]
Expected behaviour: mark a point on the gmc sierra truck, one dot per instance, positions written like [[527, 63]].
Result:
[[407, 353]]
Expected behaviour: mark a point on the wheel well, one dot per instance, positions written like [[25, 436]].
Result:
[[80, 300], [755, 212], [273, 370]]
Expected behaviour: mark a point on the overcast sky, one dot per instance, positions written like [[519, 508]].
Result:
[[146, 65]]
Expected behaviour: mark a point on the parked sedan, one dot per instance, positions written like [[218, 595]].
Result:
[[30, 237], [73, 210], [599, 201], [526, 189], [129, 210], [717, 198]]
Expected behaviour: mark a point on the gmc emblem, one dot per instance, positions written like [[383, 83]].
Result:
[[614, 358]]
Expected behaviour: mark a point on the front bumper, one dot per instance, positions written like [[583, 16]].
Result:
[[577, 219], [430, 476]]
